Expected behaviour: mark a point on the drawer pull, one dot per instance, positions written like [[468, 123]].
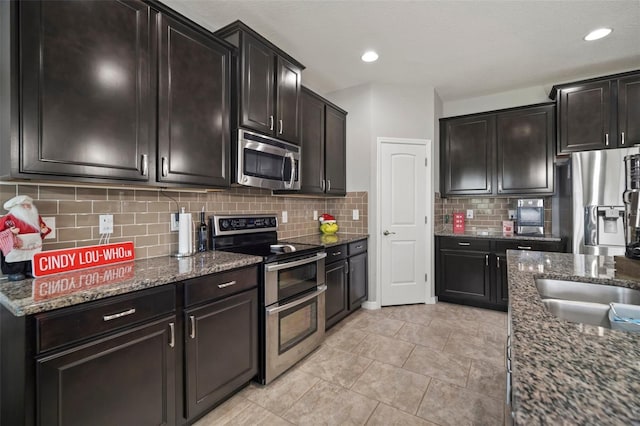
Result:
[[119, 314], [486, 259], [230, 283], [498, 263], [524, 248], [464, 244], [338, 253], [192, 320], [172, 335], [359, 247]]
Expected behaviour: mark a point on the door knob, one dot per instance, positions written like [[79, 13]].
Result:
[[387, 232]]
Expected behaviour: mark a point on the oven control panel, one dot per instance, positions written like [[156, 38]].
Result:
[[227, 224]]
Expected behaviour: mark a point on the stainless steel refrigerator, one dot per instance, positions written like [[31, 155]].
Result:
[[590, 201]]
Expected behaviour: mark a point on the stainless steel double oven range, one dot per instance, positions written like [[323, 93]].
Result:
[[292, 293]]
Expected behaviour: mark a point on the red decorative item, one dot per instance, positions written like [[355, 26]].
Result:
[[458, 223], [65, 260]]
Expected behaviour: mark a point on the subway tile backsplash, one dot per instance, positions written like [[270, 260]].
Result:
[[488, 213], [142, 215]]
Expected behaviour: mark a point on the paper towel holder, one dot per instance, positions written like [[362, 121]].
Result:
[[185, 235]]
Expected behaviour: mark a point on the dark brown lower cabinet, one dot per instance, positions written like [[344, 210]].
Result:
[[357, 280], [221, 349], [473, 271], [124, 379], [336, 299]]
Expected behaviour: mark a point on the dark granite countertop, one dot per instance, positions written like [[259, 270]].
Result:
[[57, 291], [564, 372], [496, 235], [328, 240]]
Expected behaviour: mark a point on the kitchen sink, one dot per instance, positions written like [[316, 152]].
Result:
[[586, 303], [586, 292]]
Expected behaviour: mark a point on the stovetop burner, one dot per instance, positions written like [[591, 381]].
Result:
[[255, 235]]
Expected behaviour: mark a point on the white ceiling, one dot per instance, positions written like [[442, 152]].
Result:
[[461, 48]]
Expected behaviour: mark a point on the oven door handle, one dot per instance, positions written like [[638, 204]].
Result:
[[286, 265], [277, 309]]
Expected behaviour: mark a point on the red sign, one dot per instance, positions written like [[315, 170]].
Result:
[[458, 223], [65, 260], [59, 285]]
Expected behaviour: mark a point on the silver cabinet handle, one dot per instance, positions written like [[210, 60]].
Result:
[[359, 247], [273, 311], [281, 127], [322, 184], [144, 165], [346, 268], [387, 232], [172, 335], [229, 284], [498, 262], [165, 167], [524, 248], [192, 321], [486, 259], [119, 314], [464, 244], [499, 186], [606, 139], [271, 122], [328, 185], [622, 138], [287, 265], [337, 253]]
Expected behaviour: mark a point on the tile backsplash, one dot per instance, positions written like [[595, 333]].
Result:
[[488, 213], [142, 215]]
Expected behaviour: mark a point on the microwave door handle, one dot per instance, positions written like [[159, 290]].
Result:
[[293, 169], [284, 160]]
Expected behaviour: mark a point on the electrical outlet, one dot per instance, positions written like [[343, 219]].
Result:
[[469, 214], [285, 217], [106, 224], [51, 224], [175, 225], [315, 215], [356, 214], [512, 215]]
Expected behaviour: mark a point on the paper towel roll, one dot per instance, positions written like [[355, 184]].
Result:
[[185, 241]]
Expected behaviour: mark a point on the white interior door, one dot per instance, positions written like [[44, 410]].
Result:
[[403, 189]]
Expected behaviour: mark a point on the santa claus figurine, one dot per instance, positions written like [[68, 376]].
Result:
[[21, 233]]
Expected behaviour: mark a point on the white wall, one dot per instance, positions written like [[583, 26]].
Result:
[[380, 110], [509, 99]]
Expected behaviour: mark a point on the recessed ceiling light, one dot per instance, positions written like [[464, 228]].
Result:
[[598, 34], [370, 56]]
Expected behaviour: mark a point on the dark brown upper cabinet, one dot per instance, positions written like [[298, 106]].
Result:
[[112, 92], [193, 106], [525, 150], [85, 87], [323, 142], [266, 89], [467, 155], [500, 152], [599, 113]]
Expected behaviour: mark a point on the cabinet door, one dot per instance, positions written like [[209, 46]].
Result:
[[336, 299], [193, 139], [525, 151], [312, 142], [464, 276], [629, 110], [502, 285], [288, 88], [123, 379], [86, 100], [221, 350], [257, 106], [335, 151], [584, 116], [357, 280], [467, 151]]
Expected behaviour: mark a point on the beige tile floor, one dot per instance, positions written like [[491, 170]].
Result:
[[439, 364]]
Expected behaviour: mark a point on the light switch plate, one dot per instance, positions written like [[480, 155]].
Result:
[[315, 215], [356, 214], [512, 215], [285, 216], [51, 224], [469, 214]]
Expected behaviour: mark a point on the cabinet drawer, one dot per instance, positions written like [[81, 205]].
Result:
[[554, 246], [357, 247], [58, 328], [336, 253], [219, 285], [465, 244]]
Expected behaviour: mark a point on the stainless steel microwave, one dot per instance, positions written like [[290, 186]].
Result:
[[530, 217], [265, 162]]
